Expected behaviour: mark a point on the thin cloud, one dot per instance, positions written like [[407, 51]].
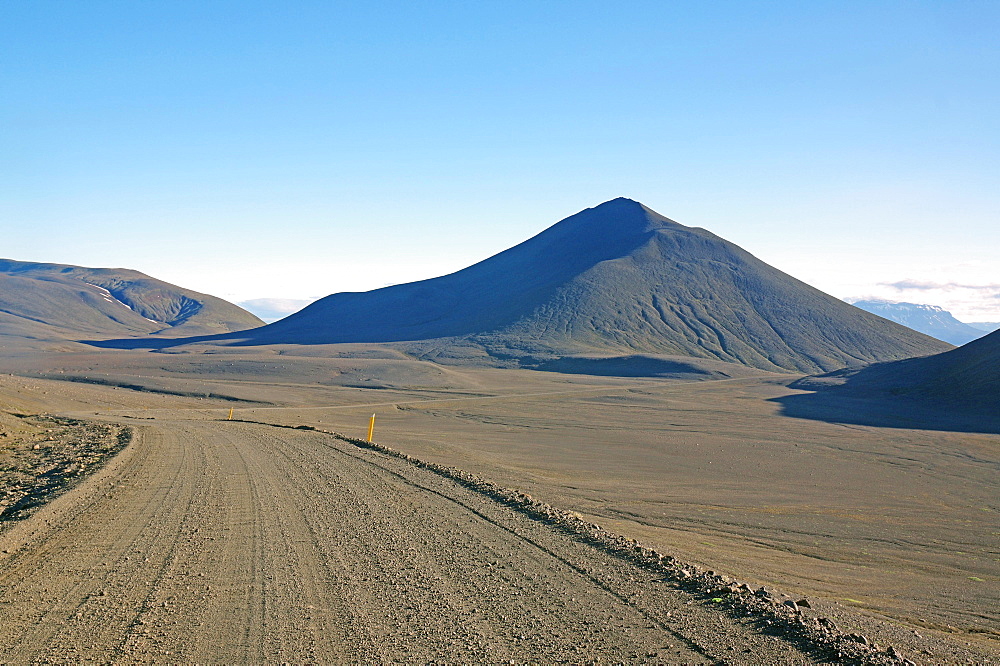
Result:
[[908, 285], [921, 285]]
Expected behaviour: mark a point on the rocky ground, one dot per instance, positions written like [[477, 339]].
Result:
[[42, 456], [234, 542], [207, 540]]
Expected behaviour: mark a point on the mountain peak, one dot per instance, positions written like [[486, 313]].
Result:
[[615, 279], [619, 201], [615, 227], [625, 206]]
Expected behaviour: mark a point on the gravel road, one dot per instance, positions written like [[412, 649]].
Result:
[[233, 542]]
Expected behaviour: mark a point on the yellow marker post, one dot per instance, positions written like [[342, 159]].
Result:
[[371, 428], [230, 414]]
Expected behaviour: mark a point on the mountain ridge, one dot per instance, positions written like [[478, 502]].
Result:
[[931, 320], [60, 302], [615, 279]]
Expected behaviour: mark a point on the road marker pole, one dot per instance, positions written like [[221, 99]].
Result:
[[371, 428], [230, 413]]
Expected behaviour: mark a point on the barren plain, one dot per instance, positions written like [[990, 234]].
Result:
[[207, 540]]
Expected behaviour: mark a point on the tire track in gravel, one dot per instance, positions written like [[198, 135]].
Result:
[[404, 474], [427, 574], [691, 644], [233, 542], [88, 566]]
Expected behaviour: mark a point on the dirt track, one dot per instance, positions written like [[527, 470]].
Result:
[[230, 542]]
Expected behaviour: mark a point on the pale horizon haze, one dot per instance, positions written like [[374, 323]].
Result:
[[260, 150]]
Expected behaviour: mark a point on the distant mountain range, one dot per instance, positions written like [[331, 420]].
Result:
[[930, 319], [55, 302], [611, 281], [988, 326]]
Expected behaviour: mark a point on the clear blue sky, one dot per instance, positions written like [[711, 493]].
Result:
[[291, 150]]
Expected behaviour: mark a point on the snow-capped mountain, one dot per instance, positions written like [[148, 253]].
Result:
[[929, 319]]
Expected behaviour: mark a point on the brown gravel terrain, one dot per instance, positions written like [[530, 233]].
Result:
[[236, 541], [43, 456], [231, 542]]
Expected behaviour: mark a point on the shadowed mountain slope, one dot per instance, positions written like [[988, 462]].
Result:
[[59, 302], [958, 390], [614, 280], [968, 376]]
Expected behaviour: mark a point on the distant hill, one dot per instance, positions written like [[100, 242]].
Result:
[[988, 326], [969, 375], [929, 319], [51, 302], [961, 379], [615, 280]]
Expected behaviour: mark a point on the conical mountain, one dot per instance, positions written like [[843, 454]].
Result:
[[56, 302], [617, 279]]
